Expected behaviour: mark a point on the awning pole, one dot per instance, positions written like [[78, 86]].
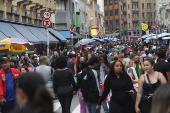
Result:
[[48, 38]]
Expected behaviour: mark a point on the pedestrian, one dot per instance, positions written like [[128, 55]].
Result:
[[148, 83], [122, 89], [139, 68], [32, 95], [24, 70], [103, 72], [47, 73], [8, 76], [72, 65], [90, 86], [63, 84], [127, 63], [35, 61], [162, 66], [161, 99]]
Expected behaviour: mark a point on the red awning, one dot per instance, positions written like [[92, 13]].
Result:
[[135, 36]]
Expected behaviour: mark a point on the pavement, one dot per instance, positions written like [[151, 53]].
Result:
[[75, 106]]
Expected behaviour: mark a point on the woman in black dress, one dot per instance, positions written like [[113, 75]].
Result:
[[122, 88], [146, 90], [63, 84]]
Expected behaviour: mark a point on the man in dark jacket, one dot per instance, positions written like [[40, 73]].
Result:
[[90, 86]]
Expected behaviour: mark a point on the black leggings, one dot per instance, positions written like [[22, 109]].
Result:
[[65, 101]]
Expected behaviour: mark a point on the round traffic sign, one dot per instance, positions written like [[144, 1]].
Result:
[[72, 29], [46, 14], [47, 23]]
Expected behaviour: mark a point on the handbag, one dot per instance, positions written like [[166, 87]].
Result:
[[147, 97]]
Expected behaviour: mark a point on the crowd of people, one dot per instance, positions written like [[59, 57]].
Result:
[[122, 77]]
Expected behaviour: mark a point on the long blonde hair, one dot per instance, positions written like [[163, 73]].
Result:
[[126, 62]]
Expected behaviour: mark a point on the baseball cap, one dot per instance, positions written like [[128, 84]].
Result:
[[4, 59]]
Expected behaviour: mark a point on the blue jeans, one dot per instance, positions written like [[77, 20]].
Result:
[[9, 106], [105, 107], [92, 107]]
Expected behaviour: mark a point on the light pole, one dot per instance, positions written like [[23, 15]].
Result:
[[48, 38]]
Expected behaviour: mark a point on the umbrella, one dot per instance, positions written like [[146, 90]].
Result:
[[84, 42], [166, 38], [150, 35], [15, 45], [163, 35]]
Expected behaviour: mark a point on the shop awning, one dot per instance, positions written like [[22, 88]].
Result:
[[27, 34], [58, 35], [65, 34], [52, 38], [38, 34], [2, 36], [9, 31]]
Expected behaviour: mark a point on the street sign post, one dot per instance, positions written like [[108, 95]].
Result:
[[46, 14], [72, 29], [47, 23]]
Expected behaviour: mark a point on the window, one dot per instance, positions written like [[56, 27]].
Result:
[[129, 32], [106, 14], [91, 5], [128, 6], [129, 25], [115, 1], [117, 22], [111, 22], [143, 15], [9, 16], [142, 5], [1, 14], [23, 19], [111, 12], [29, 21], [105, 2], [110, 2], [121, 8], [61, 5], [129, 16], [148, 5], [16, 17], [116, 11], [106, 23]]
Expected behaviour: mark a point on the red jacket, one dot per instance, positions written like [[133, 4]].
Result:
[[3, 80]]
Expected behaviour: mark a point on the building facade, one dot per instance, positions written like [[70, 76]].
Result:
[[26, 11], [111, 12], [163, 15], [133, 13], [65, 16]]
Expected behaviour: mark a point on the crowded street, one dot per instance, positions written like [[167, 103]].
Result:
[[84, 56]]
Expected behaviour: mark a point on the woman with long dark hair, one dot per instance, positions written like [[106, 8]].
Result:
[[63, 84], [148, 83], [122, 88], [32, 96]]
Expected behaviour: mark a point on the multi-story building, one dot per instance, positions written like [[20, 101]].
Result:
[[133, 13], [111, 10], [26, 11], [65, 16], [163, 15], [101, 17], [82, 10], [93, 17], [23, 19]]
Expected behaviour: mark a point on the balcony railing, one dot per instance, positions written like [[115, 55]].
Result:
[[135, 0], [135, 19]]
